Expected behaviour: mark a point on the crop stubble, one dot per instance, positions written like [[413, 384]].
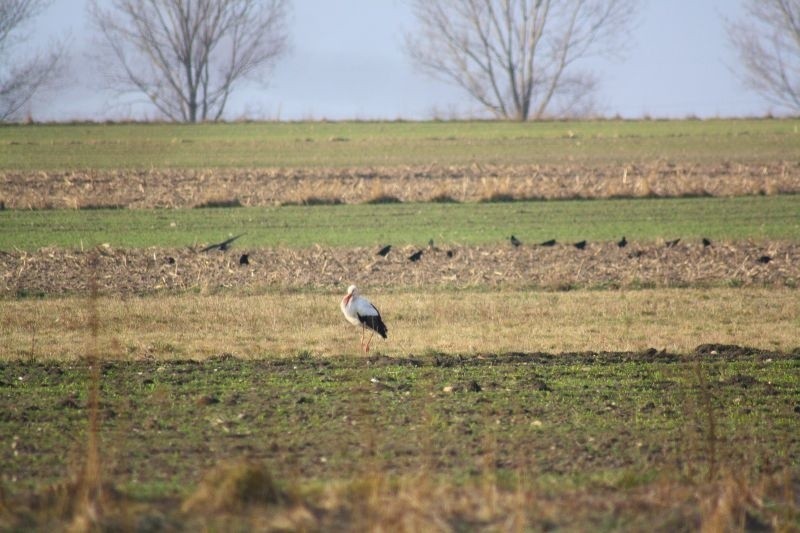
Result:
[[560, 267], [173, 188]]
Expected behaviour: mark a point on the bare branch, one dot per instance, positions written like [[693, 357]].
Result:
[[515, 56], [187, 56], [767, 41], [22, 77]]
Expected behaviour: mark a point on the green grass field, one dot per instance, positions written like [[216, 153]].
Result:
[[581, 442], [768, 217], [365, 144]]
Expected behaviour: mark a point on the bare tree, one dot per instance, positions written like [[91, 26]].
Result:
[[767, 40], [187, 56], [518, 57], [22, 77]]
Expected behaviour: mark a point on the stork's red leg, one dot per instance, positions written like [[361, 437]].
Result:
[[366, 348]]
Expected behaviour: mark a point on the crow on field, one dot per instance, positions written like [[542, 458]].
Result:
[[221, 246], [551, 242], [764, 259], [416, 256], [623, 242], [580, 245], [244, 259], [673, 243], [385, 250], [514, 241], [706, 242], [450, 254]]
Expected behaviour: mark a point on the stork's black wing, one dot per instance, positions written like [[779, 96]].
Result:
[[375, 323]]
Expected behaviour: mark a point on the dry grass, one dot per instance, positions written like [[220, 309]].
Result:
[[412, 503], [191, 326], [261, 187], [232, 487], [419, 504], [91, 497]]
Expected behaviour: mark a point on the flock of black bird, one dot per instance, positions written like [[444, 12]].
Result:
[[580, 245], [515, 242]]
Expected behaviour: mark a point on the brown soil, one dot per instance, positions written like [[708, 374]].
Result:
[[258, 187], [561, 267]]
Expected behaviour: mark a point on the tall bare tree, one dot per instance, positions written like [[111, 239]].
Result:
[[767, 40], [21, 75], [518, 57], [187, 56]]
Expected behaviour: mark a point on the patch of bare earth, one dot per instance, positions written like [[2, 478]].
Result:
[[260, 187], [560, 267]]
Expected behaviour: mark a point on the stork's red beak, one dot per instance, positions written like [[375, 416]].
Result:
[[347, 298]]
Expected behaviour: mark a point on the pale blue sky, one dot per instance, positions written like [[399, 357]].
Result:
[[347, 62]]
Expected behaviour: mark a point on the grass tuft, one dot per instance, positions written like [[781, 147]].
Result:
[[311, 200], [96, 206], [219, 202], [383, 199], [498, 197], [234, 486], [443, 198], [318, 200]]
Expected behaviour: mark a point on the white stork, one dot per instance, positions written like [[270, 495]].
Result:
[[360, 312]]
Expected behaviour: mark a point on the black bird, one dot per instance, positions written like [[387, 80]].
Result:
[[764, 259], [221, 246], [623, 242], [514, 241], [706, 242], [450, 254], [416, 256], [385, 250], [244, 259], [671, 244], [580, 245], [551, 242]]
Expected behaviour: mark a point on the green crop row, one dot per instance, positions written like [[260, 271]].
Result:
[[768, 217], [360, 144]]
